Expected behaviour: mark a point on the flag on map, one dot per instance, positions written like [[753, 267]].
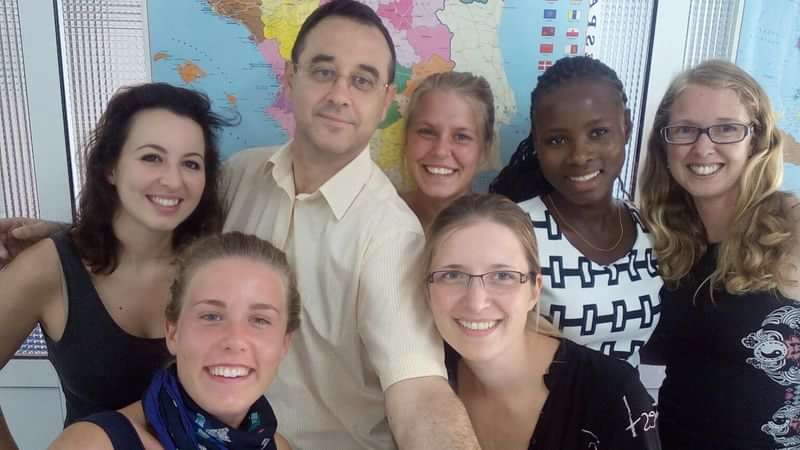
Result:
[[548, 31], [544, 64], [549, 13], [545, 48], [572, 14], [572, 32], [571, 49]]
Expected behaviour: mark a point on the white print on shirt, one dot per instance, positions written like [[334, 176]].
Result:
[[785, 427], [649, 418], [776, 346], [594, 441]]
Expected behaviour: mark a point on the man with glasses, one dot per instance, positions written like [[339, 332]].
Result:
[[367, 349], [366, 369]]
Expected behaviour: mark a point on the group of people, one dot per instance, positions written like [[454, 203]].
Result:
[[435, 318]]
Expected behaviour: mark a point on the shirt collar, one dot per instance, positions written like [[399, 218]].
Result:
[[339, 191]]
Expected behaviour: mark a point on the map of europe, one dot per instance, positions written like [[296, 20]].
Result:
[[236, 52]]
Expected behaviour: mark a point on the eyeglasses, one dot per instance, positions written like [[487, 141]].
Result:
[[724, 133], [496, 281], [326, 75]]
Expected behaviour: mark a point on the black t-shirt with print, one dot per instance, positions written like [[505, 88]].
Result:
[[595, 402], [732, 364]]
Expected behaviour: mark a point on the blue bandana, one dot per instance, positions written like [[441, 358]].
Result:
[[180, 424]]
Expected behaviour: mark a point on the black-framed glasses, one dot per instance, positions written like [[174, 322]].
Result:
[[724, 133], [497, 280], [325, 74]]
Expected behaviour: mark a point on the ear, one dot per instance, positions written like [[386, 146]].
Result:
[[287, 341], [536, 289], [288, 77], [172, 337], [628, 125], [391, 91]]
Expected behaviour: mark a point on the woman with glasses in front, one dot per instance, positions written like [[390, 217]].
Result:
[[728, 245], [523, 387]]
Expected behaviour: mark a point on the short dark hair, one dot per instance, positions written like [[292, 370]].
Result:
[[522, 178], [348, 9], [93, 232]]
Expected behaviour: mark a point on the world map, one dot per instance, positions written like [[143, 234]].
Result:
[[769, 49], [236, 52]]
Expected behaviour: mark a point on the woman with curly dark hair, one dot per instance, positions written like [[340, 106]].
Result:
[[99, 289]]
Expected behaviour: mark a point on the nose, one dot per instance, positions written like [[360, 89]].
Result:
[[476, 298], [339, 93], [580, 153], [171, 176], [234, 339], [442, 146], [704, 145]]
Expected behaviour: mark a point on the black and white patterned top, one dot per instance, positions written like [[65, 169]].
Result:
[[610, 308]]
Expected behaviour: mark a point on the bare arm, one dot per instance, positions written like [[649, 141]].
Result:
[[6, 441], [31, 287], [281, 443], [82, 436], [19, 233], [424, 413]]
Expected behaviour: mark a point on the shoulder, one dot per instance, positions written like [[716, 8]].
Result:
[[599, 369], [533, 206], [36, 270], [281, 443], [381, 206], [82, 436], [251, 158], [792, 208]]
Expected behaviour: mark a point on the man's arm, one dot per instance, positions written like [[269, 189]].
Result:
[[424, 413], [19, 233]]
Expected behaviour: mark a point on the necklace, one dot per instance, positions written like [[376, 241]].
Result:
[[574, 230]]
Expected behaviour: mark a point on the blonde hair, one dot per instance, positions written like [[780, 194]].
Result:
[[471, 87], [471, 208], [227, 245], [752, 255]]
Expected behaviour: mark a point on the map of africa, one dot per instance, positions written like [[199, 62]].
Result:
[[236, 52], [769, 49]]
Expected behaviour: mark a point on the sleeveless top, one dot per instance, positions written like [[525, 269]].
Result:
[[119, 429], [732, 366], [100, 366], [610, 308]]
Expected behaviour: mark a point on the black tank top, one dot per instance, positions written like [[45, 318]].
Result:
[[100, 366], [118, 428], [733, 366]]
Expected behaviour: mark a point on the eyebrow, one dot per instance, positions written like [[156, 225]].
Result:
[[161, 149], [323, 57], [461, 267], [223, 305]]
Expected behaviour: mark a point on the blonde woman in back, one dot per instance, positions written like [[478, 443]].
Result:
[[728, 246]]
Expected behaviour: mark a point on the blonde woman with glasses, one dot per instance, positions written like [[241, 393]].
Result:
[[728, 251], [523, 387]]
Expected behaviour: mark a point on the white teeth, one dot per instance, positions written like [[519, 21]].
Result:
[[165, 201], [478, 325], [228, 372], [586, 177], [704, 169], [439, 170]]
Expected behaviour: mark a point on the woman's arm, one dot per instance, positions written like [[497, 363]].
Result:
[[281, 443], [31, 287], [82, 436]]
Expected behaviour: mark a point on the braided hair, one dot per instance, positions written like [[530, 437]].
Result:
[[522, 178]]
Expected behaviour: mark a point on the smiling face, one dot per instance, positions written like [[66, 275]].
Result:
[[708, 171], [580, 131], [444, 144], [334, 119], [481, 324], [160, 175], [231, 335]]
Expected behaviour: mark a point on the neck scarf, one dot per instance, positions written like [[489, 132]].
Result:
[[180, 424]]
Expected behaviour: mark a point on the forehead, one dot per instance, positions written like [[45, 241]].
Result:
[[705, 103], [447, 105], [578, 98], [237, 279], [350, 43], [479, 244], [161, 126]]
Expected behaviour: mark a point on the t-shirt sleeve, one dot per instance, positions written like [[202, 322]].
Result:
[[633, 419], [394, 321], [655, 349]]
